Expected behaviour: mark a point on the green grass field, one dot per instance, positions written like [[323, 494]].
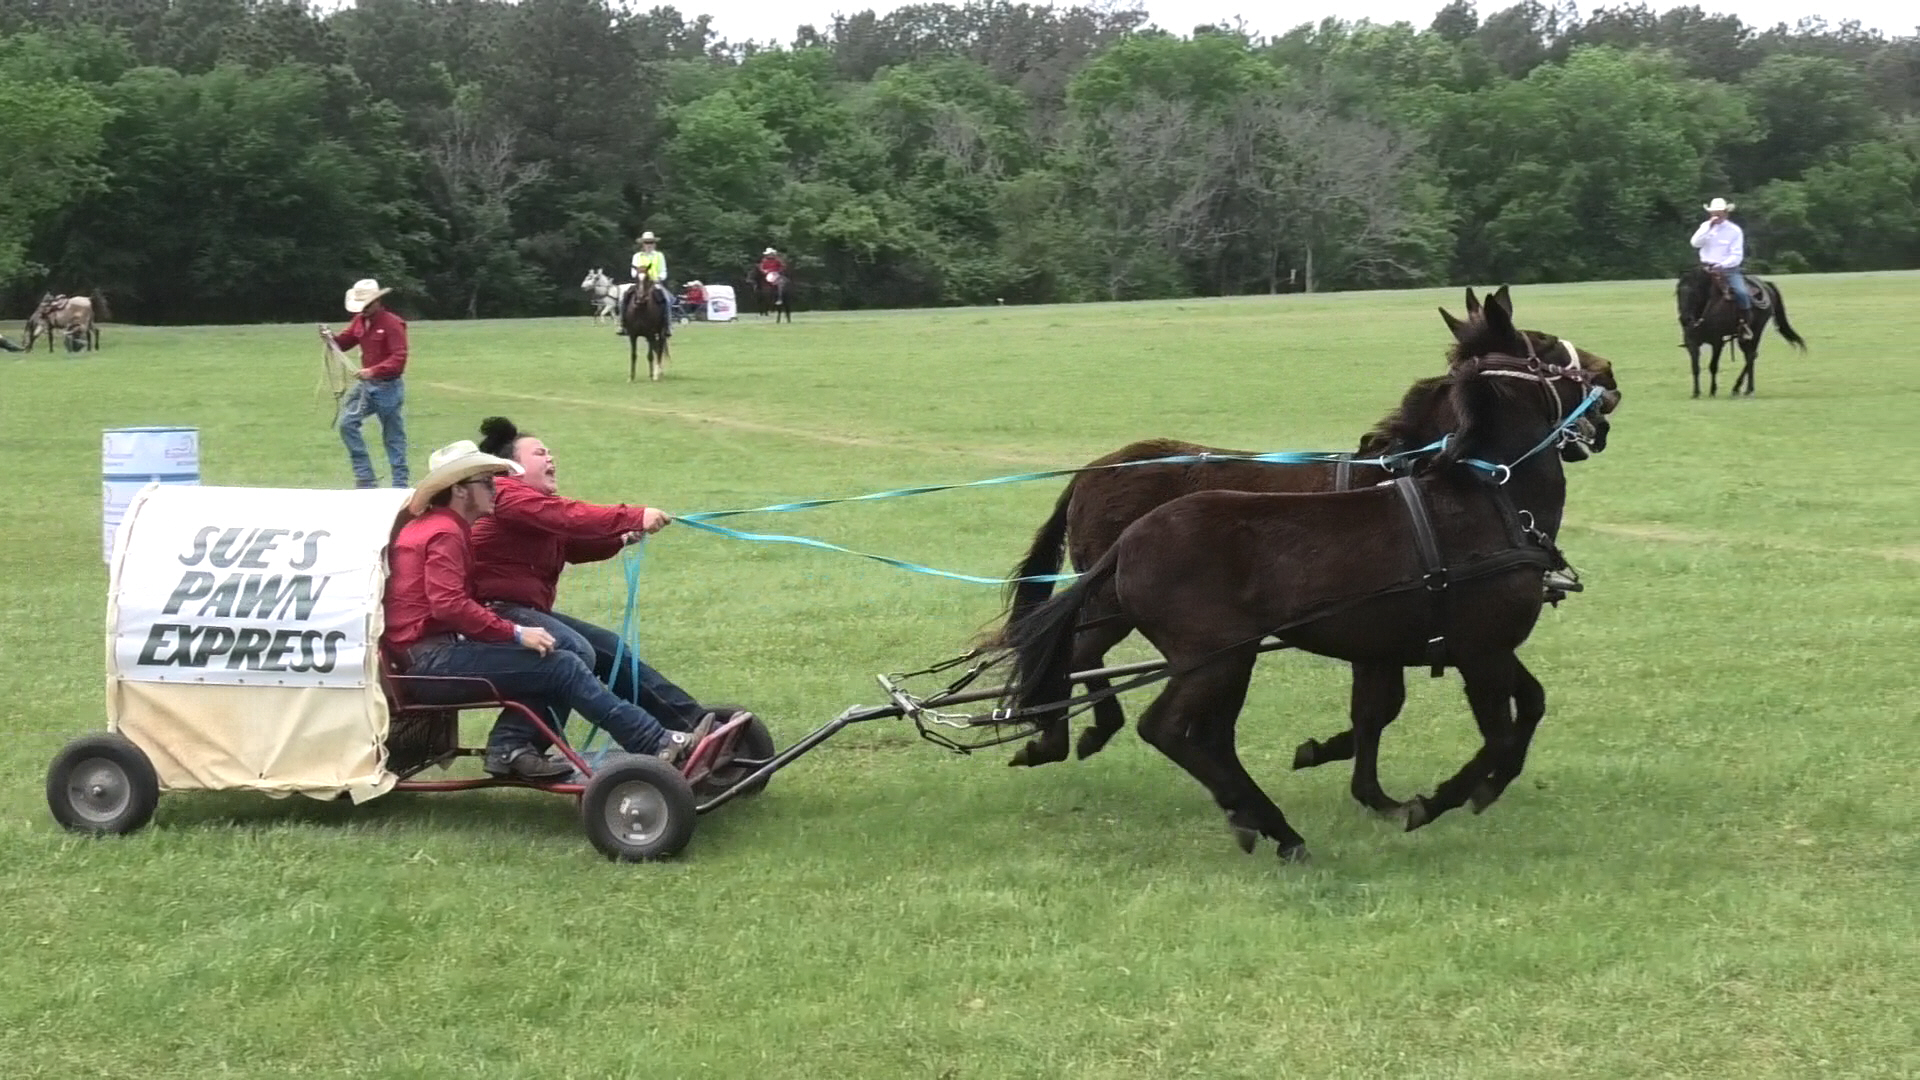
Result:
[[1710, 868]]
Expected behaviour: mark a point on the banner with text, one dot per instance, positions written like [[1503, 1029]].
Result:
[[250, 586]]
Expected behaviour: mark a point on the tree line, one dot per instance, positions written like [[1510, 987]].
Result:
[[240, 160]]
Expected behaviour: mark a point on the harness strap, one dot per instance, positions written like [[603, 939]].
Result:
[[1498, 562], [1435, 575]]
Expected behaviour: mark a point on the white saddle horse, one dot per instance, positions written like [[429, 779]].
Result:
[[606, 295]]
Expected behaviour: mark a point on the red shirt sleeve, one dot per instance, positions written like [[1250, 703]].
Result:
[[395, 361], [570, 518], [582, 551], [448, 597], [348, 338]]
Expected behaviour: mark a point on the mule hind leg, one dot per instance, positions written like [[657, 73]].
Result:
[[1183, 723]]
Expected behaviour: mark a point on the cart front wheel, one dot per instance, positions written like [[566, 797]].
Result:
[[637, 808], [102, 784]]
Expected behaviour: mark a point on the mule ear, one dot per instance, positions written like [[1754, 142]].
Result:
[[1458, 328], [1473, 303], [1498, 311]]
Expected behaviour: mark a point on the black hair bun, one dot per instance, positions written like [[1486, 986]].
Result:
[[497, 436]]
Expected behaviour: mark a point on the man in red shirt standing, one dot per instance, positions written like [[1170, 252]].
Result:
[[519, 552], [382, 338], [434, 624]]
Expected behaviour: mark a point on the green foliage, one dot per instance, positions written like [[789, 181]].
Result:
[[485, 153]]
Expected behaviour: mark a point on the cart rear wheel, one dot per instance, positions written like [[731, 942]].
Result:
[[638, 808], [102, 784], [755, 744]]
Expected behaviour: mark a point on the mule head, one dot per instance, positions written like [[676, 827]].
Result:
[[1491, 357]]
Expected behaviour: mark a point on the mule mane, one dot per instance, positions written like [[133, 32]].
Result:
[[1412, 422]]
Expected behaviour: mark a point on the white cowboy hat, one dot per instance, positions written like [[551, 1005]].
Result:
[[450, 465], [769, 251], [648, 238], [364, 292], [692, 283], [1718, 204]]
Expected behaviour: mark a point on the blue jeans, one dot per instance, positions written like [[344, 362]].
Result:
[[383, 398], [1737, 281], [561, 678], [667, 704]]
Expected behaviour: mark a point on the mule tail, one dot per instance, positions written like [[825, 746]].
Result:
[[1780, 317], [1042, 639], [1043, 558]]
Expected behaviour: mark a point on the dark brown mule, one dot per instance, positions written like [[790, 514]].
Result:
[[1096, 506], [1709, 315], [1382, 576], [644, 316]]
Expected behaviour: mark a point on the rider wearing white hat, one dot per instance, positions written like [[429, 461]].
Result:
[[651, 260], [382, 338], [437, 627], [1723, 247]]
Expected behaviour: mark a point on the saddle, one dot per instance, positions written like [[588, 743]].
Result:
[[1756, 288]]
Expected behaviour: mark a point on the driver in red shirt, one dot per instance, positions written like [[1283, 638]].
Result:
[[519, 552], [434, 626]]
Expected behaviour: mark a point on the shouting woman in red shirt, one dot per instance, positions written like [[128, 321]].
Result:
[[521, 548]]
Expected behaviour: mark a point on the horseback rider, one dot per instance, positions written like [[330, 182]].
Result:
[[772, 266], [649, 260], [1723, 247]]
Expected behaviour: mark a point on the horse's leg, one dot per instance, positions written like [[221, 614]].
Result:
[[1529, 705], [1490, 683], [1713, 368], [1379, 691], [1089, 649], [1341, 747], [1109, 716], [1693, 354], [1186, 723], [1751, 347], [633, 356]]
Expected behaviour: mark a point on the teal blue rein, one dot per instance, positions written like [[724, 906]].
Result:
[[704, 519], [629, 647], [1554, 438]]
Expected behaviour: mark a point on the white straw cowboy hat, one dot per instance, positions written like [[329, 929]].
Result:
[[648, 238], [769, 251], [1718, 204], [364, 292], [452, 464]]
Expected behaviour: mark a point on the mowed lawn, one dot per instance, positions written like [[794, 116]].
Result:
[[1709, 869]]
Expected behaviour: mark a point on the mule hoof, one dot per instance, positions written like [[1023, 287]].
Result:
[[1395, 810], [1484, 795], [1416, 813], [1297, 854], [1307, 754], [1244, 837]]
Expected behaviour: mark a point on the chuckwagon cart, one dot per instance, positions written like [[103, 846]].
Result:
[[243, 630]]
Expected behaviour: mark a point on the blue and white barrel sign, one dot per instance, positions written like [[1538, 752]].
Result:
[[132, 458]]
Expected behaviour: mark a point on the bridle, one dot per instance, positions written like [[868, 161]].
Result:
[[1544, 374]]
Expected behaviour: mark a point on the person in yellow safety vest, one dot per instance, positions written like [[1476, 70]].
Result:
[[650, 260]]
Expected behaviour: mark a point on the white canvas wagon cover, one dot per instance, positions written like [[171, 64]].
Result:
[[243, 629]]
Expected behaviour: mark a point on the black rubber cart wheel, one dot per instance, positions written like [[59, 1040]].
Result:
[[637, 808], [102, 784]]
